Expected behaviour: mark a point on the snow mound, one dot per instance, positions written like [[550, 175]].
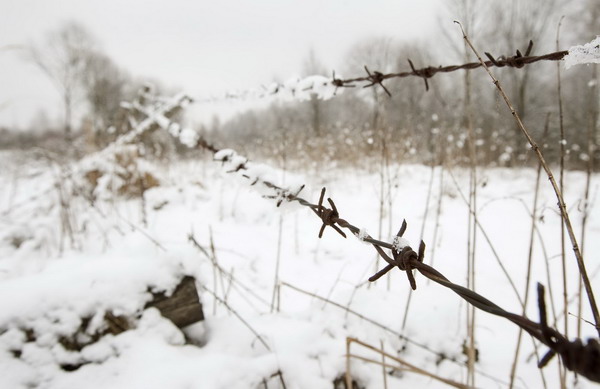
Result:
[[57, 319]]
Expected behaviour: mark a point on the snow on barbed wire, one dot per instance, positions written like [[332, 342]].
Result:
[[296, 88], [157, 115], [584, 54], [399, 243], [262, 174], [187, 136], [362, 235]]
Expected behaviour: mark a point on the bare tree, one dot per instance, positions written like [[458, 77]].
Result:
[[63, 58], [312, 66], [105, 86]]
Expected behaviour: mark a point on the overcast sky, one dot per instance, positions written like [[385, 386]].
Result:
[[203, 47]]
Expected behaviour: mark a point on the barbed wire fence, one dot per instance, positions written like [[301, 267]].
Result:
[[577, 356]]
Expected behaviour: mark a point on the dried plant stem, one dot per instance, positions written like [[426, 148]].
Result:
[[229, 285], [382, 170], [277, 262], [348, 374], [425, 214], [438, 213], [216, 269], [563, 257], [275, 303], [247, 291], [360, 316], [386, 329], [593, 119], [410, 367], [489, 241], [217, 298], [383, 365], [471, 230], [143, 200], [513, 370], [561, 203]]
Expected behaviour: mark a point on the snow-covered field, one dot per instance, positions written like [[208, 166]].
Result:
[[63, 261]]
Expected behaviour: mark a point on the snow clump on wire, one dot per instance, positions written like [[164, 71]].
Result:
[[399, 243], [584, 54], [362, 235]]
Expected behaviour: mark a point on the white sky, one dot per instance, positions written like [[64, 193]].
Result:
[[204, 47]]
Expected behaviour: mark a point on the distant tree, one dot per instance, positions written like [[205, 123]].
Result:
[[312, 66], [63, 58], [378, 54], [105, 86]]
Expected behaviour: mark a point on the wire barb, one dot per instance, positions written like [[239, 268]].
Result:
[[328, 216], [424, 73], [339, 83], [376, 78], [403, 259]]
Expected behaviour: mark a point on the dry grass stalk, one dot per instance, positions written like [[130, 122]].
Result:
[[274, 297], [562, 190], [472, 222], [425, 214], [236, 314], [348, 373], [404, 365], [488, 240], [438, 213], [388, 330], [234, 282], [383, 365], [592, 120], [513, 370]]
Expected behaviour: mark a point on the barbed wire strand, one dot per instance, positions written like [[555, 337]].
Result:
[[374, 78]]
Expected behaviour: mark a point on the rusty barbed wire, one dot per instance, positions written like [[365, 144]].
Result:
[[583, 359], [517, 61], [376, 78]]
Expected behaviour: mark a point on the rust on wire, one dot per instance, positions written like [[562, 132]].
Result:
[[515, 61], [328, 216], [518, 61], [424, 73], [339, 83]]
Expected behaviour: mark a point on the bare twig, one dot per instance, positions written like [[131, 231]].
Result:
[[513, 370]]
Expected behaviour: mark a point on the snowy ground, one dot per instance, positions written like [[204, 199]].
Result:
[[53, 276]]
